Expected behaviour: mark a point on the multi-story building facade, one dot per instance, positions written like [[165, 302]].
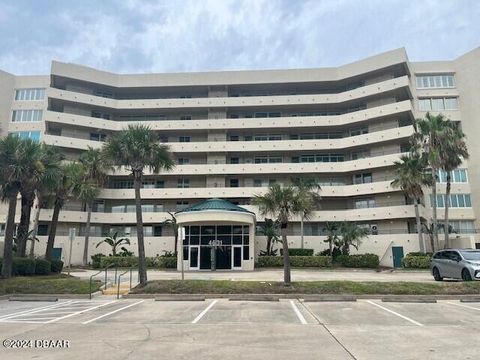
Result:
[[235, 133]]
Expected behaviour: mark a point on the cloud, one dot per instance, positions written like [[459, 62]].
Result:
[[134, 36]]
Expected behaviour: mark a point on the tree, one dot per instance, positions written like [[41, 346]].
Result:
[[284, 204], [12, 169], [332, 231], [429, 134], [453, 152], [95, 169], [410, 176], [269, 229], [138, 148], [114, 242], [350, 235], [63, 189], [172, 222]]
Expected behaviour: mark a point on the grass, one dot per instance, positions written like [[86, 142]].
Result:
[[306, 287], [46, 284]]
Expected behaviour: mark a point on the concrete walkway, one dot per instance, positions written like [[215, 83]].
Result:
[[277, 275]]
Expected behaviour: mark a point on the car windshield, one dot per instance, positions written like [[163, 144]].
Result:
[[471, 255]]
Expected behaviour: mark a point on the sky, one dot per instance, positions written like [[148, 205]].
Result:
[[136, 36]]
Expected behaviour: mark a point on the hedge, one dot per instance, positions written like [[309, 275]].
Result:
[[42, 267], [96, 260], [359, 261], [429, 254], [160, 262], [57, 266], [295, 261], [416, 261], [23, 266], [298, 252]]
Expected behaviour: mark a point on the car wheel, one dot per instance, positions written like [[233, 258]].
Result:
[[436, 274], [466, 275]]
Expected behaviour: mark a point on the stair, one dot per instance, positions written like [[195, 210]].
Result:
[[112, 290]]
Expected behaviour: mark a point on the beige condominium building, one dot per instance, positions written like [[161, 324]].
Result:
[[234, 133]]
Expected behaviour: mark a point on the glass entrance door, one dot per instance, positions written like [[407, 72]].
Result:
[[236, 257], [194, 257]]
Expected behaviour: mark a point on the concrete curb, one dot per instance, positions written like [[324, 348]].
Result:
[[180, 298], [59, 296], [46, 298], [470, 300], [327, 298], [253, 297], [402, 299]]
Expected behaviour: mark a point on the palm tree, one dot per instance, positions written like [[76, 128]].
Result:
[[332, 231], [12, 169], [284, 204], [307, 184], [410, 177], [269, 229], [64, 187], [172, 222], [351, 235], [454, 151], [114, 242], [430, 132], [95, 169], [138, 148]]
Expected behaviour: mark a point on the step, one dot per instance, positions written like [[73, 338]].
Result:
[[113, 290]]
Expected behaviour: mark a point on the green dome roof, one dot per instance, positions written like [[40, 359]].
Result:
[[215, 204]]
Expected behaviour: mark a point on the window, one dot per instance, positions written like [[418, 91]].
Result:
[[148, 184], [186, 117], [98, 206], [267, 159], [438, 104], [364, 203], [456, 200], [457, 176], [42, 230], [234, 138], [183, 183], [29, 94], [357, 132], [435, 81], [362, 178], [27, 115], [182, 205], [234, 160], [463, 226], [183, 161], [97, 137], [34, 135], [257, 182], [184, 139], [100, 115], [160, 184], [103, 93], [234, 183]]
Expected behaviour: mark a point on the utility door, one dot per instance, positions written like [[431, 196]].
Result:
[[397, 252]]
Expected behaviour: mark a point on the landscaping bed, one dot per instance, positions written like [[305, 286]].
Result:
[[306, 287], [47, 284]]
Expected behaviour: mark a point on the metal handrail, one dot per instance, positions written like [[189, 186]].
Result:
[[119, 276], [97, 273]]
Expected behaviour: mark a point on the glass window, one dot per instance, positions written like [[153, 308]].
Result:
[[29, 94], [437, 104], [435, 81], [468, 201], [234, 183], [184, 139], [27, 115], [451, 103], [234, 160]]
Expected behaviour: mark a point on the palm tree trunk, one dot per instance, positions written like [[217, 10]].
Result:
[[286, 257], [87, 234], [142, 268], [269, 245], [53, 229], [301, 232], [35, 226], [434, 209], [22, 231], [330, 246], [421, 244], [8, 243], [447, 206]]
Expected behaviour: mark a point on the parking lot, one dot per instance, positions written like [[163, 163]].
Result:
[[107, 328]]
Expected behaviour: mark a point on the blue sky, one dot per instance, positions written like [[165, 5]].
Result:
[[133, 36]]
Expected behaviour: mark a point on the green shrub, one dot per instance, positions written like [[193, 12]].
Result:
[[295, 261], [96, 260], [298, 252], [168, 262], [42, 267], [57, 266], [158, 262], [359, 261], [416, 262], [429, 254], [23, 266], [118, 261]]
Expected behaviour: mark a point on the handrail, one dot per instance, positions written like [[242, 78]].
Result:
[[119, 276], [100, 271]]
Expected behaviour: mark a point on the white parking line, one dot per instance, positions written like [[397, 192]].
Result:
[[34, 310], [112, 312], [197, 319], [298, 313], [395, 313], [464, 306], [81, 311]]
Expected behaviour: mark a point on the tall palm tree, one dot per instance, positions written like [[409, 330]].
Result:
[[12, 169], [34, 172], [410, 176], [52, 160], [351, 235], [284, 204], [454, 151], [138, 148], [269, 229], [172, 222], [64, 187], [95, 168], [332, 230], [307, 184], [429, 134]]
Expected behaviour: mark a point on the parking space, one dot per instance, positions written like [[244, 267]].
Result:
[[366, 329]]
